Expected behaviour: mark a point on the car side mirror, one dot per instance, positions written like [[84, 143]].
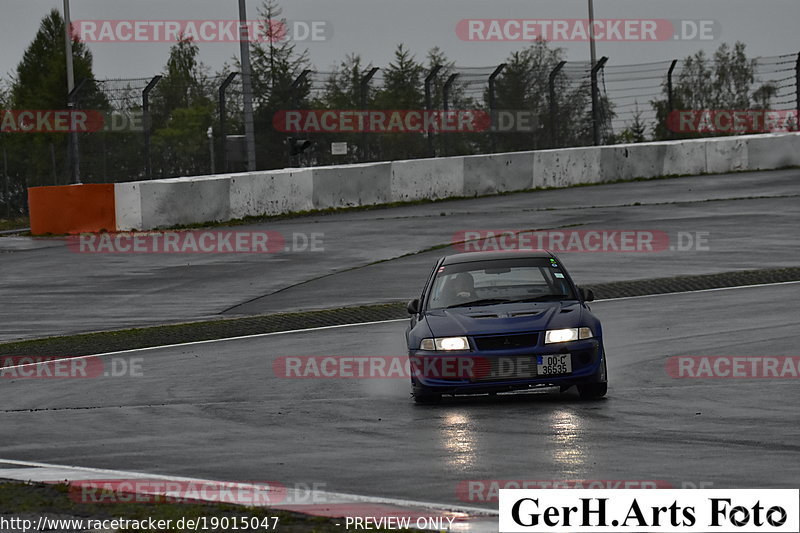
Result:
[[413, 307], [587, 295]]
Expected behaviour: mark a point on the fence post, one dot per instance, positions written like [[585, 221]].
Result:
[[222, 105], [670, 101], [295, 84], [295, 104], [7, 195], [596, 101], [492, 117], [53, 163], [797, 90], [446, 105], [72, 103], [364, 102], [247, 86], [148, 166], [554, 104], [429, 104]]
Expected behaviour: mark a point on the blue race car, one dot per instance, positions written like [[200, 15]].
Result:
[[505, 321]]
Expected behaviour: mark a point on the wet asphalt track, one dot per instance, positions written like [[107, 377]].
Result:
[[218, 411], [750, 221]]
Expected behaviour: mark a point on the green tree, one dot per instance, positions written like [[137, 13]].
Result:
[[733, 78], [523, 86], [634, 132], [343, 86], [182, 112], [276, 64], [403, 83], [403, 89], [343, 92], [449, 143], [762, 97], [40, 82], [723, 82], [183, 84]]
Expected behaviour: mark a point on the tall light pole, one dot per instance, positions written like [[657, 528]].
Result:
[[247, 87], [595, 91], [591, 33], [73, 144], [68, 42]]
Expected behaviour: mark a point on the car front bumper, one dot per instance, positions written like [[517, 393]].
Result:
[[496, 371]]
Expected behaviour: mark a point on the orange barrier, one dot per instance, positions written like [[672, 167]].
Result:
[[72, 208]]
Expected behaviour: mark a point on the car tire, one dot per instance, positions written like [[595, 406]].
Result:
[[423, 396], [593, 391], [427, 399]]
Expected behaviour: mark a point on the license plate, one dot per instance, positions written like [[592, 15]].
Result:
[[552, 365]]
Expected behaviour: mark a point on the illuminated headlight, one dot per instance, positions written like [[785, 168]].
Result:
[[566, 335], [445, 344]]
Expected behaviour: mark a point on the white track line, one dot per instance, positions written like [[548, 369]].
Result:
[[321, 328]]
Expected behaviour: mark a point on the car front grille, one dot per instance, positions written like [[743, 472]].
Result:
[[503, 368], [506, 342]]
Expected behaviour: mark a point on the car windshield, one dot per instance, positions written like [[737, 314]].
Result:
[[501, 281]]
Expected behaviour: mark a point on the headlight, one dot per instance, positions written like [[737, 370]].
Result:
[[566, 335], [445, 344]]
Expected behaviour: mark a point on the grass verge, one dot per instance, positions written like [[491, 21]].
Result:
[[29, 501]]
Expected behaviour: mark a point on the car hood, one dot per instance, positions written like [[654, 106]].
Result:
[[504, 318]]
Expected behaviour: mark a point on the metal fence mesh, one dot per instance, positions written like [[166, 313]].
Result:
[[181, 132]]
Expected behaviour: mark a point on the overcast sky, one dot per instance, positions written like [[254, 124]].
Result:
[[373, 28]]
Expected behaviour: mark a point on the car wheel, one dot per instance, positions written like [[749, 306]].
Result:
[[427, 399], [593, 391]]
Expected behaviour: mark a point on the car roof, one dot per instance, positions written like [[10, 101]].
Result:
[[470, 257]]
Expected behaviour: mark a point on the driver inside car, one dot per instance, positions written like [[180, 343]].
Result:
[[460, 288]]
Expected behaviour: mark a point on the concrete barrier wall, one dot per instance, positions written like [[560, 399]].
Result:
[[561, 168], [172, 202], [270, 193], [726, 155], [128, 206], [417, 179], [491, 174], [683, 159], [766, 152], [352, 185]]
